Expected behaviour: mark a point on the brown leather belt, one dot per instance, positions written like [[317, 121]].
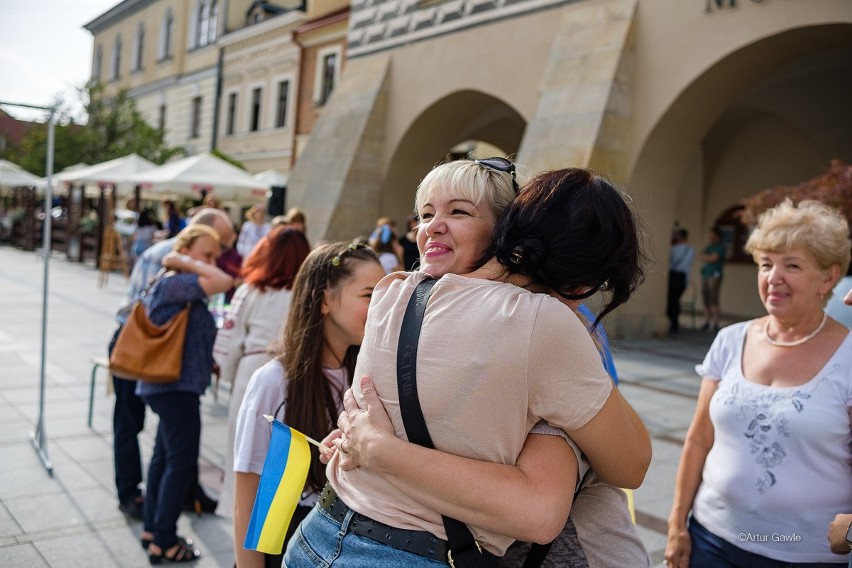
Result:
[[421, 543]]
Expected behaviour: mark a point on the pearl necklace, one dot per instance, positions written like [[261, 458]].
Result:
[[795, 342]]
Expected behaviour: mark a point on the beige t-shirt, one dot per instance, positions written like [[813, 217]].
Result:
[[493, 359]]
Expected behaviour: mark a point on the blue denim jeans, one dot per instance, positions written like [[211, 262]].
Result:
[[710, 551], [173, 467], [320, 541]]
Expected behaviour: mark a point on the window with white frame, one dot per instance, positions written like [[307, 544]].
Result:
[[231, 114], [167, 35], [282, 103], [116, 58], [195, 123], [97, 63], [254, 114], [139, 47], [202, 21], [327, 74], [213, 25]]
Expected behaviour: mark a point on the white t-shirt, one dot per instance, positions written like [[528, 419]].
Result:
[[389, 261], [781, 464], [266, 391], [493, 359]]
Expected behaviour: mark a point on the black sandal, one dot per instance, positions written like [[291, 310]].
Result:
[[184, 553], [146, 542]]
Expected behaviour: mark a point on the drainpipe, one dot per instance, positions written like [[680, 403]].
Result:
[[217, 100], [298, 99]]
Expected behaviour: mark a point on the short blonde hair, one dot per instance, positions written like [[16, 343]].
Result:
[[295, 215], [468, 180], [187, 236], [811, 225], [252, 210]]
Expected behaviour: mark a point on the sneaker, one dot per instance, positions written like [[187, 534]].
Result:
[[133, 508]]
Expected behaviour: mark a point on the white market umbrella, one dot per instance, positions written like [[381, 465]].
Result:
[[114, 172], [13, 175], [202, 172], [272, 178]]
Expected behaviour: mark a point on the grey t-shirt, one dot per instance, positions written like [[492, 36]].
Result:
[[599, 533]]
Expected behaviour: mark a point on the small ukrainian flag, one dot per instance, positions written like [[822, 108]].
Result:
[[281, 483]]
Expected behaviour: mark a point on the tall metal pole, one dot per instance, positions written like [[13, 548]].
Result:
[[39, 437]]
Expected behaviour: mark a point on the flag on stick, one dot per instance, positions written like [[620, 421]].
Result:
[[281, 482]]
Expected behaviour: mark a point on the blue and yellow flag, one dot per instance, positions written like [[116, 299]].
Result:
[[281, 483]]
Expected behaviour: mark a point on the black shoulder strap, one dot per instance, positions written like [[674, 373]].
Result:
[[406, 365], [466, 552]]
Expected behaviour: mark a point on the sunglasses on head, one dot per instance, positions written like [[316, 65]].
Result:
[[500, 165]]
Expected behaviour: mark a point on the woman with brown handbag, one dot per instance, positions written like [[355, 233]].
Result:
[[192, 276]]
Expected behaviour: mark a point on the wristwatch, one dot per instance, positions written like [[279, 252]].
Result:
[[849, 536]]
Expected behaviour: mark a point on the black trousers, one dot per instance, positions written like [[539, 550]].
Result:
[[677, 284], [128, 419]]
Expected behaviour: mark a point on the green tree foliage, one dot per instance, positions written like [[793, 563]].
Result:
[[114, 128], [231, 160]]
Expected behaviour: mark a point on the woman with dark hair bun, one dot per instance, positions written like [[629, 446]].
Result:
[[573, 242], [499, 350]]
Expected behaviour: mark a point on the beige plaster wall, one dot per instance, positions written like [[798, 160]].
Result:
[[260, 60], [504, 61], [686, 77], [178, 100], [670, 57]]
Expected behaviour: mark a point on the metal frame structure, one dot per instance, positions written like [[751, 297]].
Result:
[[39, 436]]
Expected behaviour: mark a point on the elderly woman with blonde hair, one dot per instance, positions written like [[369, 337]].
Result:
[[765, 465]]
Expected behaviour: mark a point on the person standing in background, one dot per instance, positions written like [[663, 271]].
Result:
[[713, 256], [254, 229], [143, 236], [174, 221], [128, 418], [835, 307], [773, 412], [408, 242], [191, 277], [253, 321], [681, 258], [303, 385], [383, 240], [295, 219]]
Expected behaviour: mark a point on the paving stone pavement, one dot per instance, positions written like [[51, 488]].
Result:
[[71, 519]]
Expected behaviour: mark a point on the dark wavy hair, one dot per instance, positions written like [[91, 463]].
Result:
[[276, 259], [569, 230]]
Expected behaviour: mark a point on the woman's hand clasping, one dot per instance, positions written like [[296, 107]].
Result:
[[327, 447], [363, 429]]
